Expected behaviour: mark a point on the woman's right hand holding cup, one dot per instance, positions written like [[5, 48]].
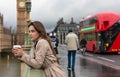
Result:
[[17, 51]]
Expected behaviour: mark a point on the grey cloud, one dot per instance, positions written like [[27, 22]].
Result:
[[50, 11]]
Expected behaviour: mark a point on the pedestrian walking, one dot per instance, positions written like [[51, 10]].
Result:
[[71, 41], [55, 42], [44, 54], [83, 43]]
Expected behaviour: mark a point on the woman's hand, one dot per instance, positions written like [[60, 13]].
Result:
[[18, 52]]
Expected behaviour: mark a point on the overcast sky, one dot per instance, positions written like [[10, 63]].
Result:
[[50, 11]]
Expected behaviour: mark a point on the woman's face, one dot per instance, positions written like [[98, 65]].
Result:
[[34, 35]]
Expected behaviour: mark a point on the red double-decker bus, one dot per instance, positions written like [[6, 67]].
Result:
[[102, 32]]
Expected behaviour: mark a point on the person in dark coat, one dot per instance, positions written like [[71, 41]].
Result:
[[83, 43], [55, 42]]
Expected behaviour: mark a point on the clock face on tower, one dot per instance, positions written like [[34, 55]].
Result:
[[21, 4]]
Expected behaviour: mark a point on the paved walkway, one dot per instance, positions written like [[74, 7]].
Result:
[[86, 66], [63, 61]]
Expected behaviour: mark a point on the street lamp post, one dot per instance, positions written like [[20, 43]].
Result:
[[78, 32], [28, 10]]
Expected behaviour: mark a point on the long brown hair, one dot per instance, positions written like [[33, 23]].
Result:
[[40, 29]]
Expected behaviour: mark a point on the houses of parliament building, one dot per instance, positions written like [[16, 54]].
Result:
[[5, 36]]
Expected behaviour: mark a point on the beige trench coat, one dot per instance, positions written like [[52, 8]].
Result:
[[44, 58]]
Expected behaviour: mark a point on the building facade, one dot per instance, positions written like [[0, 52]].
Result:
[[62, 28], [5, 36]]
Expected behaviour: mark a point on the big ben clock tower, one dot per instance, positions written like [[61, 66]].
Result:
[[21, 21]]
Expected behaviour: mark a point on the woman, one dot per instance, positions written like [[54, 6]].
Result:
[[44, 55]]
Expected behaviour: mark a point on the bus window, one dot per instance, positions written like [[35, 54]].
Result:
[[88, 21]]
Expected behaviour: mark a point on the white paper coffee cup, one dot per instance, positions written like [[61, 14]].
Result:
[[16, 46]]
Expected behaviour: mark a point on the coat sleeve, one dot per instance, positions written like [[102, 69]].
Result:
[[39, 55]]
